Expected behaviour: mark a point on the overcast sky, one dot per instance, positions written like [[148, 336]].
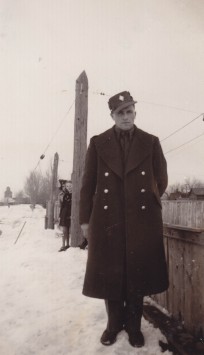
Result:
[[153, 48]]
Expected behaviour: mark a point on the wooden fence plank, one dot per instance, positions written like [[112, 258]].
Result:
[[185, 296], [188, 213]]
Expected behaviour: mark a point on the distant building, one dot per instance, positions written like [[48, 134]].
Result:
[[175, 195], [197, 193], [8, 193], [8, 197]]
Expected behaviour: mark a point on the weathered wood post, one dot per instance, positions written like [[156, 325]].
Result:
[[53, 197], [80, 147]]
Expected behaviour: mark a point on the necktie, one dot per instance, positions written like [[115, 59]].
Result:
[[124, 141]]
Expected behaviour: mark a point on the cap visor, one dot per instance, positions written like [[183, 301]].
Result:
[[123, 105]]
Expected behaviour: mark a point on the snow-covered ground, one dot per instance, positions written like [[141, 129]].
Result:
[[43, 311]]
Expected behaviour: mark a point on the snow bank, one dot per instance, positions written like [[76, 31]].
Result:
[[42, 309]]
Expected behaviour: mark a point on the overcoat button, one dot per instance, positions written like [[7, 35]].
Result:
[[143, 172], [106, 173], [143, 190], [143, 207], [106, 191], [105, 207]]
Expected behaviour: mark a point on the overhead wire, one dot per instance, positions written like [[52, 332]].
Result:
[[179, 129], [53, 136], [191, 140], [142, 101], [148, 102], [171, 107]]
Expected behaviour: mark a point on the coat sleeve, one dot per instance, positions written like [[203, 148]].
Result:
[[88, 184], [159, 167]]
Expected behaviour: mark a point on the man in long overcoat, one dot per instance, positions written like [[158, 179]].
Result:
[[120, 214]]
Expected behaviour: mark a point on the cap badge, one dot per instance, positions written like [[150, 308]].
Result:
[[121, 98]]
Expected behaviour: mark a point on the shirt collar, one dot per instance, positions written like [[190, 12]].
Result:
[[119, 130]]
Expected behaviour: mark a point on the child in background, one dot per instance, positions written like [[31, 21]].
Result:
[[65, 198]]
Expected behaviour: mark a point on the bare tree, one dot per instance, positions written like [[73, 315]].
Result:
[[45, 188], [186, 186], [38, 186], [193, 182], [173, 188], [33, 186]]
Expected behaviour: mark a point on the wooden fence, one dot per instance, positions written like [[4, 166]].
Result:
[[184, 246], [187, 213]]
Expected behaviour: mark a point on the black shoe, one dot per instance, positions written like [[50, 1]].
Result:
[[62, 249], [67, 247], [108, 338], [83, 244], [136, 339]]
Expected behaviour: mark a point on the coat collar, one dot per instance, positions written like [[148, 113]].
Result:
[[109, 150]]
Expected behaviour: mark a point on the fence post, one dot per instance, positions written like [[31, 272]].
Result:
[[51, 202], [80, 147]]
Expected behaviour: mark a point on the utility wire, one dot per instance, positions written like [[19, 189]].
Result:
[[191, 140], [43, 155], [149, 103], [179, 129], [100, 93], [163, 105]]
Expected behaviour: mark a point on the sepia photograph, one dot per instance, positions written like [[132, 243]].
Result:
[[101, 177]]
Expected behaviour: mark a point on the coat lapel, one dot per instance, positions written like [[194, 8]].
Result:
[[140, 148], [109, 150]]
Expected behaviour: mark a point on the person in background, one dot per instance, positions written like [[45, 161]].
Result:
[[65, 198], [120, 214]]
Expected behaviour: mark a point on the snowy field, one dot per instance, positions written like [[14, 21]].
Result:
[[42, 309]]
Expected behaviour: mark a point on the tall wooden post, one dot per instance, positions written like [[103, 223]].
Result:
[[53, 196], [80, 147]]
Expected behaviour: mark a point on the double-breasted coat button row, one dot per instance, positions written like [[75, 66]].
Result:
[[106, 191], [143, 190]]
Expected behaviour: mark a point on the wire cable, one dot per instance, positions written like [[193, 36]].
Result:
[[191, 140], [59, 126], [179, 129], [149, 103]]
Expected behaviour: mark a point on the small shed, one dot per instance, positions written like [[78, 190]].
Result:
[[175, 195], [197, 193]]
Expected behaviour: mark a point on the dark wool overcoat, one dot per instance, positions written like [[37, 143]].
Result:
[[123, 209]]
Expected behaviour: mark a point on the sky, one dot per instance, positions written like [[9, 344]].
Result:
[[152, 48]]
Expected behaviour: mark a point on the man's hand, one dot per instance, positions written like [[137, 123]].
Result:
[[84, 228]]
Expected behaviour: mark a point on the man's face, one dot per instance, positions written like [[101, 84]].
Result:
[[124, 119]]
